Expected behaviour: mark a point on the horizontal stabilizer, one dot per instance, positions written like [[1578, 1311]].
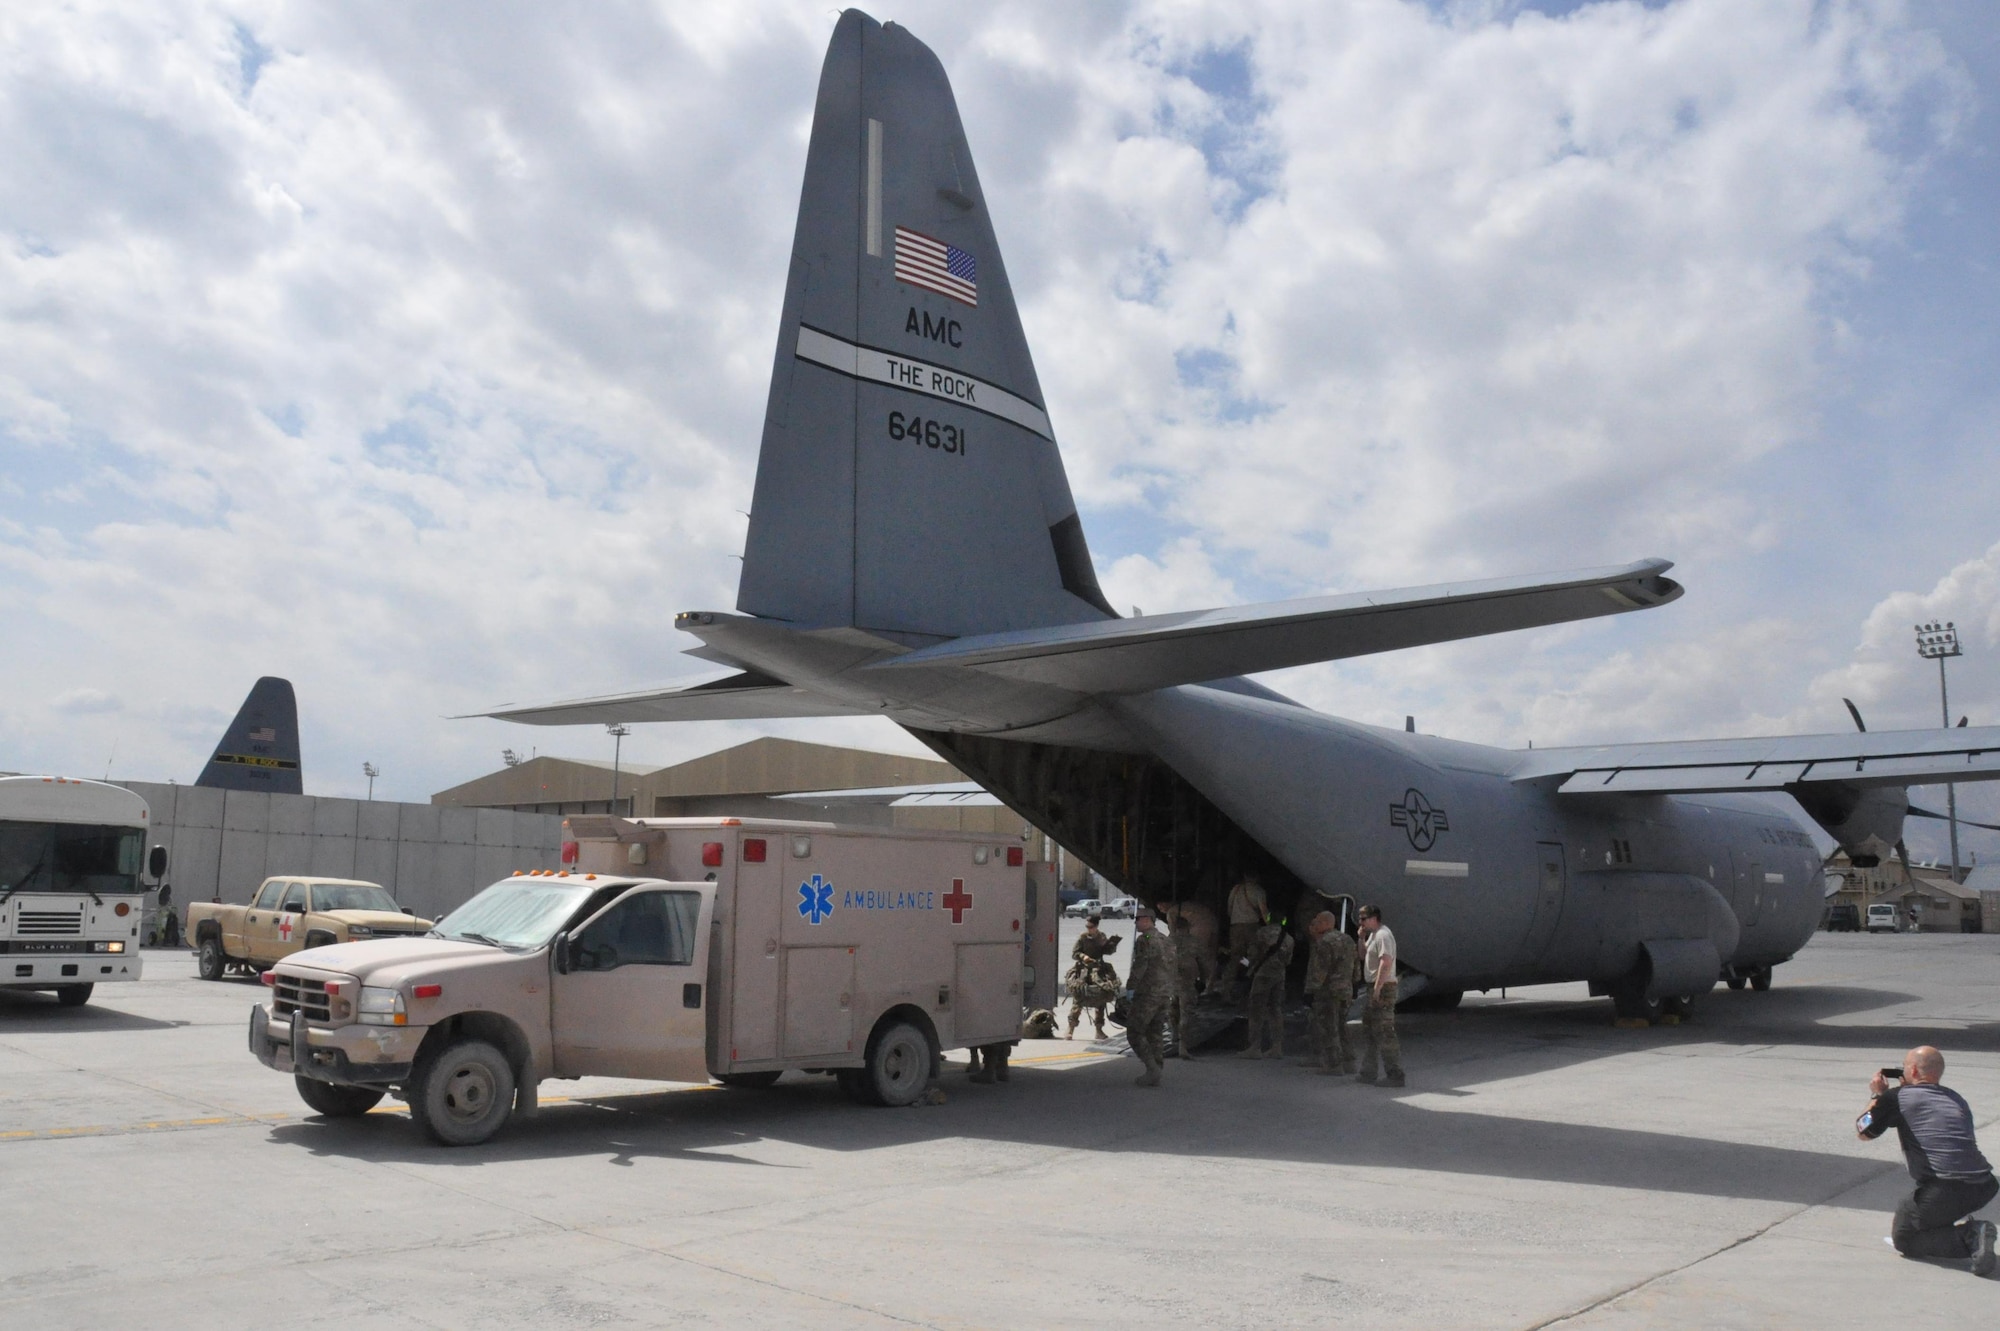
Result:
[[1158, 651], [741, 696], [1877, 758]]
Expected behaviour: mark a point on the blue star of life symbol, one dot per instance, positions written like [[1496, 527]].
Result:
[[815, 900]]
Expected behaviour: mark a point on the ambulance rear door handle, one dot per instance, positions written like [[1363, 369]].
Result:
[[691, 995]]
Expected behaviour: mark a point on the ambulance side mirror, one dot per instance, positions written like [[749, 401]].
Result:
[[559, 952]]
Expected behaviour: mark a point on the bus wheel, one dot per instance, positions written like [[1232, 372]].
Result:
[[899, 1066], [74, 995], [463, 1093], [210, 961], [336, 1101]]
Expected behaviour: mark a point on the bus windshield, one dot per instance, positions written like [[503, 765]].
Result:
[[515, 912], [69, 857]]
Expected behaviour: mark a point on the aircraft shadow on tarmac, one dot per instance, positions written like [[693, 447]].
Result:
[[1268, 1111], [31, 1013]]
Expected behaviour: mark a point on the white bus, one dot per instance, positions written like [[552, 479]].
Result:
[[70, 897]]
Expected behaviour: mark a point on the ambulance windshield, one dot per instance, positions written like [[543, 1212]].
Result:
[[516, 912]]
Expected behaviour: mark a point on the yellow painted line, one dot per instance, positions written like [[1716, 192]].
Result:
[[128, 1129]]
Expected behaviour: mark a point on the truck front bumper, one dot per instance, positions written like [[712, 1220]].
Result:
[[46, 970], [344, 1055]]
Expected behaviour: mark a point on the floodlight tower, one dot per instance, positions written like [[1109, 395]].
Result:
[[371, 771], [1936, 642], [619, 732]]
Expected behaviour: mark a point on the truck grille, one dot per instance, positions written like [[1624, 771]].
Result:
[[49, 923], [297, 994]]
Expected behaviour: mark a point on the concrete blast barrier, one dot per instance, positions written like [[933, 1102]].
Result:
[[222, 843]]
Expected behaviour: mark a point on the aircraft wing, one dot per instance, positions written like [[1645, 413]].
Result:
[[739, 696], [1877, 758], [1157, 651]]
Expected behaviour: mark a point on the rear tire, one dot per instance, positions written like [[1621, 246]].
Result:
[[462, 1094], [748, 1081], [210, 961], [74, 995], [899, 1067], [332, 1101]]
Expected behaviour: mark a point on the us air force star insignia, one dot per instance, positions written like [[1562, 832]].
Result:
[[1416, 817]]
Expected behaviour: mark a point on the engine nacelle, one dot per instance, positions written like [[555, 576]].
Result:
[[1867, 821]]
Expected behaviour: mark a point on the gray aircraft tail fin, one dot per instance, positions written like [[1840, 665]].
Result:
[[260, 750], [909, 480]]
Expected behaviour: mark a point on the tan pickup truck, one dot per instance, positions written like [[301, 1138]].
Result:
[[288, 914], [678, 949]]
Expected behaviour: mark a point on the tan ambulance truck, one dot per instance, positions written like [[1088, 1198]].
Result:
[[675, 949]]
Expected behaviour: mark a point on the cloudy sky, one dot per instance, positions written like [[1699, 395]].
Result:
[[418, 352]]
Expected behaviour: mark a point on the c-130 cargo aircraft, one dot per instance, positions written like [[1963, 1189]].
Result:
[[914, 553]]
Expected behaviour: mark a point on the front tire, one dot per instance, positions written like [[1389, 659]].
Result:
[[899, 1067], [463, 1094], [74, 995], [332, 1101], [210, 961]]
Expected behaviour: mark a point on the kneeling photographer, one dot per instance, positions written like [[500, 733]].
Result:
[[1934, 1126]]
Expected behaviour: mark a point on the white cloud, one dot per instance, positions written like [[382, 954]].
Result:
[[420, 355]]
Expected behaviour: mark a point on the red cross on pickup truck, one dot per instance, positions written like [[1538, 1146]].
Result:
[[285, 927], [957, 901]]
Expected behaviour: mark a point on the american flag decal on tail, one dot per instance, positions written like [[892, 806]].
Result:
[[936, 266]]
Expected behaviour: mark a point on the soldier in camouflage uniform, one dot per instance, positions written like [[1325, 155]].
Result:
[[1186, 946], [1270, 955], [1330, 986], [1378, 968], [1091, 982], [1149, 990]]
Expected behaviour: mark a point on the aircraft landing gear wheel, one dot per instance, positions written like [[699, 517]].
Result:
[[1737, 982], [899, 1067], [1683, 1008], [748, 1081], [1629, 1001], [210, 961], [331, 1101], [463, 1093], [74, 995], [1760, 980]]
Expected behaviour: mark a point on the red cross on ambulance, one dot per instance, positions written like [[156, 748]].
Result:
[[957, 901]]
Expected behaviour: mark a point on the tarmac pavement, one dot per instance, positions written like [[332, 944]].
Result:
[[1542, 1168]]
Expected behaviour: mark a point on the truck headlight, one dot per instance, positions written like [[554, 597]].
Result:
[[382, 1007], [359, 931]]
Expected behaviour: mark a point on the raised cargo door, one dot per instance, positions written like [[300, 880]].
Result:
[[633, 1001], [818, 1016], [986, 994]]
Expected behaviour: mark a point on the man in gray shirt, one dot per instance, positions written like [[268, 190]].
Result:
[[1934, 1126]]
